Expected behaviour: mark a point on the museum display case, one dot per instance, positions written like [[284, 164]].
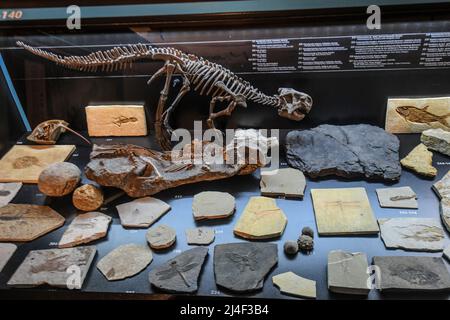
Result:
[[341, 191]]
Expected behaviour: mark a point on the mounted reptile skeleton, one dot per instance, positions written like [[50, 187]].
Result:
[[201, 75]]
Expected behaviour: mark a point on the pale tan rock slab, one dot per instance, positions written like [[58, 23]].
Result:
[[437, 140], [8, 191], [420, 160], [59, 179], [26, 222], [213, 205], [343, 211], [125, 261], [287, 182], [398, 197], [291, 284], [86, 227], [142, 212], [54, 267], [442, 189], [200, 236], [161, 237], [6, 252], [116, 120], [261, 219]]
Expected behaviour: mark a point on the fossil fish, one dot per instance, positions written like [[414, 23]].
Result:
[[417, 115]]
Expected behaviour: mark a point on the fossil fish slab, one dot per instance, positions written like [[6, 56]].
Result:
[[54, 267], [416, 234], [86, 227], [26, 222], [287, 182], [180, 274], [343, 211], [142, 212], [213, 205], [291, 284], [125, 261], [242, 267], [6, 252], [412, 273], [398, 197], [406, 115], [442, 189], [8, 191], [351, 151]]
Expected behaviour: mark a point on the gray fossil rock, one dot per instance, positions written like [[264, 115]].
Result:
[[412, 273], [181, 273], [437, 140], [242, 267], [6, 252], [200, 236], [442, 189], [348, 151]]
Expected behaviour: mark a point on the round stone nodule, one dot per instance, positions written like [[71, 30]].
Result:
[[59, 179], [307, 231], [290, 247], [305, 243], [87, 198]]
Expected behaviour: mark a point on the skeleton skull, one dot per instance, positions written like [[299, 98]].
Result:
[[294, 105]]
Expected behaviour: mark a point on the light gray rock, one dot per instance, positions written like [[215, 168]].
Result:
[[161, 237], [213, 205], [86, 227], [54, 267], [287, 182], [348, 272], [412, 273], [447, 252], [125, 261], [8, 191], [6, 252], [201, 236], [442, 189], [437, 140], [181, 273], [400, 197], [242, 267], [415, 234], [142, 212]]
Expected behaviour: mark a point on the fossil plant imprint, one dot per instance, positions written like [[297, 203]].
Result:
[[198, 74]]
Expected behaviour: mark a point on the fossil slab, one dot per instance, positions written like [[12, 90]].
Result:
[[8, 191], [54, 267], [200, 236], [416, 234], [142, 212], [291, 284], [399, 197], [261, 219], [437, 140], [161, 237], [6, 252], [287, 182], [413, 115], [442, 189], [213, 205], [420, 160], [143, 172], [180, 274], [447, 252], [348, 272], [24, 163], [86, 227], [125, 261], [242, 267], [412, 273], [352, 151], [26, 222], [343, 211]]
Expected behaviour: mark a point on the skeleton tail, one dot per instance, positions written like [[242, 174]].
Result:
[[117, 58]]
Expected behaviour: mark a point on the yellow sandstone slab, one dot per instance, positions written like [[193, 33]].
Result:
[[291, 284], [261, 219], [344, 211], [116, 120], [420, 160]]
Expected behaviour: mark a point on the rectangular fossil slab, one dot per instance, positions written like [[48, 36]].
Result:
[[343, 211], [412, 273], [116, 120], [25, 163], [399, 197], [65, 268], [405, 115]]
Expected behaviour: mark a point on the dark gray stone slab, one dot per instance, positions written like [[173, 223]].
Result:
[[181, 273], [412, 273], [348, 151], [242, 267]]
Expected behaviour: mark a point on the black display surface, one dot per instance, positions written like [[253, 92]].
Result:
[[299, 213]]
